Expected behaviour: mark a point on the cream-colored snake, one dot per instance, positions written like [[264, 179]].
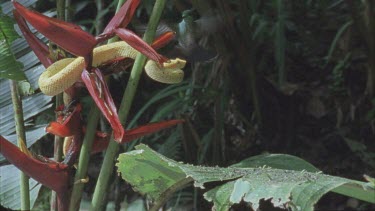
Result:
[[64, 73]]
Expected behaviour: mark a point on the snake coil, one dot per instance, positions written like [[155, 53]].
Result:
[[64, 73]]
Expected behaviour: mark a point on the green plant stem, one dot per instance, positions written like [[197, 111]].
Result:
[[60, 6], [98, 201], [280, 42], [99, 20], [58, 141], [21, 137], [57, 153], [169, 192], [370, 13], [84, 158], [68, 11]]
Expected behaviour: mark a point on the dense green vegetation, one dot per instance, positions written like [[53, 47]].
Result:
[[292, 77]]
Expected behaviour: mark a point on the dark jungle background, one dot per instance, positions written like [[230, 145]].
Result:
[[276, 76]]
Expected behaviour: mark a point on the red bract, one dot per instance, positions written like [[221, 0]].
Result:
[[163, 39], [66, 124], [65, 128], [122, 17], [39, 48], [68, 36], [134, 41], [49, 173], [102, 139], [98, 89], [149, 129], [68, 121]]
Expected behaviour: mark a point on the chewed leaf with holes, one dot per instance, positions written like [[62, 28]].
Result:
[[148, 172], [251, 180]]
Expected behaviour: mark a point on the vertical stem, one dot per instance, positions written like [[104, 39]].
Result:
[[366, 28], [21, 137], [99, 20], [370, 13], [98, 201], [68, 11], [280, 42], [58, 141], [84, 158], [57, 154], [60, 5]]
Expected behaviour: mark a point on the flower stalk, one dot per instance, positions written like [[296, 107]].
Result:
[[58, 141], [21, 137], [84, 158], [106, 171]]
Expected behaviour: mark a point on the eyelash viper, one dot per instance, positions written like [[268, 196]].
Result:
[[64, 73]]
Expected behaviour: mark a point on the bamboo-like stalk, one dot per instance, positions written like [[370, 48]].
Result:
[[370, 16], [60, 6], [99, 20], [366, 28], [98, 201], [21, 137], [84, 158], [87, 145], [58, 141], [280, 42], [57, 154], [68, 11]]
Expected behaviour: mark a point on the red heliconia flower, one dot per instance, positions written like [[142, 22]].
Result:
[[78, 42], [47, 172], [69, 124], [102, 139], [99, 91], [68, 121], [39, 48], [66, 35]]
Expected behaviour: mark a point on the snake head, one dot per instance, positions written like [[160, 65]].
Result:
[[175, 64]]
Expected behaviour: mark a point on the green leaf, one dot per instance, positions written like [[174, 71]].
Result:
[[220, 197], [279, 161], [9, 67], [31, 106], [334, 43], [167, 92], [251, 180], [10, 188], [33, 134], [149, 172]]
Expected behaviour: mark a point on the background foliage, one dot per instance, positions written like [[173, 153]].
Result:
[[294, 77]]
